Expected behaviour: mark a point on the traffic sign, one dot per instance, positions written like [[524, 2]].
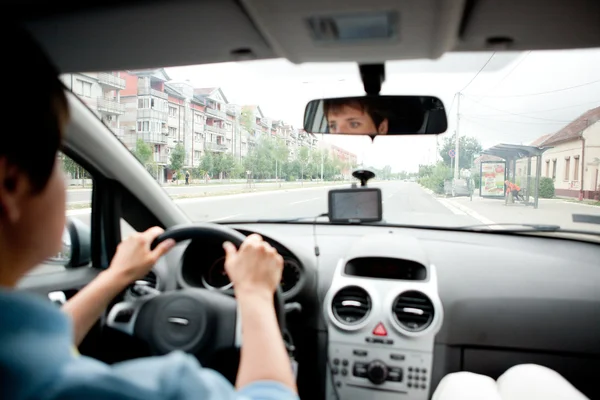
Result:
[[452, 153]]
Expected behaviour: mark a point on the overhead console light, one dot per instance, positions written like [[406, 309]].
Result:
[[354, 27]]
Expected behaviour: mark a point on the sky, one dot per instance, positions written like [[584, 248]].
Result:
[[516, 98]]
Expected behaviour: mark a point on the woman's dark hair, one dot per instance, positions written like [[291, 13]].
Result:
[[371, 107], [37, 112], [403, 114]]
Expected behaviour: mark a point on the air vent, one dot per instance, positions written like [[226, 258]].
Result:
[[150, 280], [145, 285], [413, 311], [351, 305]]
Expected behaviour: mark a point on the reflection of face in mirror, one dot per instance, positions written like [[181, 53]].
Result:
[[354, 117]]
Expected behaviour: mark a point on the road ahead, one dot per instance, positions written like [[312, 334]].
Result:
[[403, 203]]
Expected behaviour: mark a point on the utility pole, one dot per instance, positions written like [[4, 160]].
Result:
[[322, 162], [456, 136]]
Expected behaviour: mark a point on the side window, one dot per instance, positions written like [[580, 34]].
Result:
[[79, 187], [126, 229]]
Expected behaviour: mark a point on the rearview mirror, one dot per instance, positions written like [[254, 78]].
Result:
[[376, 115]]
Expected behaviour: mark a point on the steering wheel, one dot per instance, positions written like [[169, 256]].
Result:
[[197, 321]]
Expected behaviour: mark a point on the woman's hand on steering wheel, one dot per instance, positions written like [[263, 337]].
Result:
[[255, 268]]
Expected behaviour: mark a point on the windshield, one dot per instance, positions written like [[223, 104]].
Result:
[[226, 140]]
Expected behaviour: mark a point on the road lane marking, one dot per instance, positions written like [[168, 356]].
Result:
[[304, 201], [227, 217], [451, 207], [474, 214]]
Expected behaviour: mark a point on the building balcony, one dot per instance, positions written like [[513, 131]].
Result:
[[215, 113], [146, 91], [152, 137], [215, 129], [109, 106], [161, 158], [148, 113], [111, 81], [199, 128], [119, 132], [216, 147]]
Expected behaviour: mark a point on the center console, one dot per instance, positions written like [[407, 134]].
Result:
[[383, 313]]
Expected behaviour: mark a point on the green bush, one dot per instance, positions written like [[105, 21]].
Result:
[[546, 188], [435, 180]]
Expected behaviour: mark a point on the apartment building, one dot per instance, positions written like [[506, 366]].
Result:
[[148, 105], [218, 126], [146, 114], [345, 157], [255, 121], [101, 92], [186, 121]]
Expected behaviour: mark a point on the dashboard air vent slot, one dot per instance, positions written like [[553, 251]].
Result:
[[351, 305], [413, 311], [146, 285]]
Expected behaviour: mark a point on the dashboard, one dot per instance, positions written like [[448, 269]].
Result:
[[386, 312], [203, 266]]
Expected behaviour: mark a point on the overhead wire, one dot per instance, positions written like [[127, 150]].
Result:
[[539, 93], [512, 113], [518, 122], [597, 102], [509, 73], [477, 74]]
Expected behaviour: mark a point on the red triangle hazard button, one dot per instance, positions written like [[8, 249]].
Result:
[[380, 330]]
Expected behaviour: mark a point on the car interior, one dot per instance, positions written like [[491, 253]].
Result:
[[369, 311]]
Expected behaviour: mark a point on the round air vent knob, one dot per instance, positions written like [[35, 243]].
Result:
[[377, 372]]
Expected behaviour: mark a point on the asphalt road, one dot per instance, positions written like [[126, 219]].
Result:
[[403, 203]]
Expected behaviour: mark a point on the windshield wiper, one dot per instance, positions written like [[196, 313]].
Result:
[[284, 220], [517, 227], [523, 228]]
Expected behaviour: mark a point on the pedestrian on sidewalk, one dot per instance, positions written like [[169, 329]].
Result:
[[187, 177], [512, 188]]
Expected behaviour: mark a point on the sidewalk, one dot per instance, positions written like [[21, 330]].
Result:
[[549, 211]]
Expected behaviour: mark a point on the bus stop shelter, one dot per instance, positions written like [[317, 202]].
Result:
[[513, 152]]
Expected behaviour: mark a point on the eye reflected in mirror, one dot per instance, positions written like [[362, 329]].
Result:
[[63, 257], [376, 115]]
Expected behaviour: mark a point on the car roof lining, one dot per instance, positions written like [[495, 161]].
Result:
[[91, 35]]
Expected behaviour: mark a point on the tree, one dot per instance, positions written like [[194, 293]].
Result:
[[177, 158], [468, 147], [246, 120], [304, 158], [143, 152], [70, 167], [207, 163]]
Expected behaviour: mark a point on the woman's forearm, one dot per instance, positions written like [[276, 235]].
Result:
[[263, 354], [90, 302]]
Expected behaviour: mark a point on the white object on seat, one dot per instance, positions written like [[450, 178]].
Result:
[[522, 382], [466, 386], [531, 381]]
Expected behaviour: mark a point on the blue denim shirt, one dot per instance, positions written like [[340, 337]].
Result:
[[38, 361]]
